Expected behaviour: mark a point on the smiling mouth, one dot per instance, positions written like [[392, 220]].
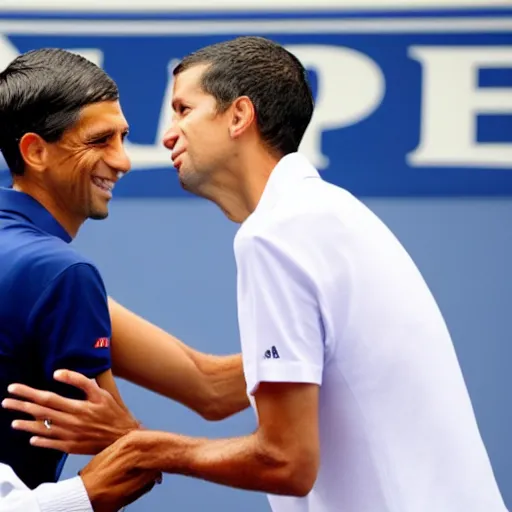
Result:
[[103, 183]]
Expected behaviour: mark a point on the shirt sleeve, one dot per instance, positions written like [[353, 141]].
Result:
[[279, 318], [71, 323], [65, 496]]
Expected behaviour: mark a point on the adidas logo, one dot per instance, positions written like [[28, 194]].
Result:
[[272, 353]]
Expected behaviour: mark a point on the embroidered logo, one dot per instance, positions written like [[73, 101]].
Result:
[[272, 353], [102, 343]]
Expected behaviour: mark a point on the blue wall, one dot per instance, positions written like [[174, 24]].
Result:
[[172, 261]]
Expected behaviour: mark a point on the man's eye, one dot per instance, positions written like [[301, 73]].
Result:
[[102, 140]]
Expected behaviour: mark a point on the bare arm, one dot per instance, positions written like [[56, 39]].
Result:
[[106, 381], [213, 386], [281, 457]]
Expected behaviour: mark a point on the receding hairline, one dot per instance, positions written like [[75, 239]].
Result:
[[187, 65], [205, 67]]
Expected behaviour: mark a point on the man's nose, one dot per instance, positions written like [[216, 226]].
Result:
[[171, 136], [119, 160]]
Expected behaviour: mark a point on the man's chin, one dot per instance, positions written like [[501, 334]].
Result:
[[188, 189], [98, 215], [191, 183], [186, 186]]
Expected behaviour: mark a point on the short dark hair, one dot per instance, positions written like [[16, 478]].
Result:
[[272, 77], [42, 91]]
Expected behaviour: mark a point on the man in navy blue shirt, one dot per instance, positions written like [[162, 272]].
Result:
[[61, 134]]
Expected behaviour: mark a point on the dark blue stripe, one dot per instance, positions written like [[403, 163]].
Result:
[[256, 15]]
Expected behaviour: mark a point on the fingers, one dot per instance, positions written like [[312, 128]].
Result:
[[38, 428], [144, 489], [35, 410], [88, 386], [54, 401], [55, 444], [57, 438], [43, 398]]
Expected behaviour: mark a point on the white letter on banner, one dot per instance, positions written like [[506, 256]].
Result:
[[451, 101], [350, 87]]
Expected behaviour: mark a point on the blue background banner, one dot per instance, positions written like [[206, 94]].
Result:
[[382, 80]]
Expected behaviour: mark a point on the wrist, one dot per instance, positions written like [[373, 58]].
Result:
[[93, 490], [130, 425], [168, 452], [114, 433], [151, 446]]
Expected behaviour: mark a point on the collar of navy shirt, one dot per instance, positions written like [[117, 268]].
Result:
[[21, 204]]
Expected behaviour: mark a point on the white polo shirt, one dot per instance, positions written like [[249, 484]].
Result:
[[327, 295]]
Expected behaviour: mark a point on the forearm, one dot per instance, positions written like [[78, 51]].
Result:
[[172, 375], [244, 462], [224, 376], [146, 355], [226, 381]]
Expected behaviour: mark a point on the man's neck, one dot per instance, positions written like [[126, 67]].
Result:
[[238, 193], [59, 213]]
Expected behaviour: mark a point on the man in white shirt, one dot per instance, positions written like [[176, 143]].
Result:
[[349, 365]]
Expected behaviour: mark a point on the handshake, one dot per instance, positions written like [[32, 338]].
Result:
[[117, 477], [120, 471]]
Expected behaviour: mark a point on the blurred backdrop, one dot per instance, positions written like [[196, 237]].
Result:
[[414, 116]]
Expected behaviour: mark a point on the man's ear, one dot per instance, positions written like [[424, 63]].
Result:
[[33, 149], [243, 116]]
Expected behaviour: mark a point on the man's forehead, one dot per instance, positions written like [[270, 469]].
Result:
[[189, 81], [102, 116]]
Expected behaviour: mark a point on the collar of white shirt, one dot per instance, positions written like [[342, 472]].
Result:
[[289, 171]]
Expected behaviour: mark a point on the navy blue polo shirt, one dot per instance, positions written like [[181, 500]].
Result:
[[53, 314]]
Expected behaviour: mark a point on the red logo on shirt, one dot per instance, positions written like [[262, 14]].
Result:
[[102, 343]]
